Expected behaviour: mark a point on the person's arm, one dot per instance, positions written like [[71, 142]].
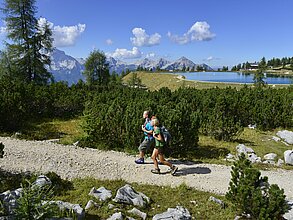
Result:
[[145, 130]]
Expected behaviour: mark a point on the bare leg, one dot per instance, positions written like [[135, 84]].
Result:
[[163, 161], [141, 154], [154, 157]]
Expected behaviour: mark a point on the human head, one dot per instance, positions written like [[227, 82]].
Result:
[[155, 122], [146, 114]]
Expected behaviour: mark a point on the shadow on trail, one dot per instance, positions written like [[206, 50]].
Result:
[[192, 170], [177, 162]]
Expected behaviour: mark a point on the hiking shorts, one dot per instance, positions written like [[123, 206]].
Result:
[[145, 145]]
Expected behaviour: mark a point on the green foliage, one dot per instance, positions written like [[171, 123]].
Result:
[[252, 194], [30, 205], [113, 119], [96, 68], [22, 103], [31, 42]]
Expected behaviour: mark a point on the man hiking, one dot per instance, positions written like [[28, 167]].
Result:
[[147, 129]]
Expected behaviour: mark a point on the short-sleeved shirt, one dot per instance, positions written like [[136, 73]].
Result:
[[148, 127], [159, 144]]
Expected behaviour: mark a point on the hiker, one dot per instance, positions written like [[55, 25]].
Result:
[[159, 149], [147, 129]]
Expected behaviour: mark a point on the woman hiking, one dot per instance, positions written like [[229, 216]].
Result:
[[159, 148]]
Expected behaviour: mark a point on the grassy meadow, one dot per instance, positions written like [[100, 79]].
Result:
[[162, 198], [155, 81]]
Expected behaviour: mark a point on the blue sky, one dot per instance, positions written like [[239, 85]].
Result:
[[215, 32]]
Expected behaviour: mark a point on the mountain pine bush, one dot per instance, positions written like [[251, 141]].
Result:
[[253, 195]]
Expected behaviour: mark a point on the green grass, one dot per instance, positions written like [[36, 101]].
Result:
[[155, 81], [68, 131], [162, 198]]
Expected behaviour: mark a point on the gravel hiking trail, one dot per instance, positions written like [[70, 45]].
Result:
[[71, 162]]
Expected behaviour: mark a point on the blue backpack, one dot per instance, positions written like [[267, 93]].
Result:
[[166, 135]]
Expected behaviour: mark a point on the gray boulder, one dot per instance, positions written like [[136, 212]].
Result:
[[280, 162], [102, 193], [91, 204], [270, 156], [8, 198], [276, 138], [241, 148], [289, 214], [128, 195], [218, 201], [286, 135], [42, 181], [116, 216], [66, 206], [139, 213], [179, 212], [288, 157], [248, 152]]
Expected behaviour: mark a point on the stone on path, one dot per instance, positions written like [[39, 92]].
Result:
[[128, 195], [174, 213]]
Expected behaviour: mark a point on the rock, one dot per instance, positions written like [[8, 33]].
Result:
[[270, 156], [42, 181], [111, 206], [79, 212], [230, 157], [280, 162], [253, 158], [116, 216], [91, 204], [139, 213], [218, 201], [174, 213], [102, 193], [252, 126], [9, 199], [288, 157], [286, 135], [128, 195], [289, 214], [241, 148], [276, 138]]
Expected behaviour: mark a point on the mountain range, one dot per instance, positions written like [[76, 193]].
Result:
[[67, 68]]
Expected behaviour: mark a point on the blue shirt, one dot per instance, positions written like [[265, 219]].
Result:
[[148, 127]]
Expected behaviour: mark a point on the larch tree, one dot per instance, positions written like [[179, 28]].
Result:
[[30, 41], [97, 68]]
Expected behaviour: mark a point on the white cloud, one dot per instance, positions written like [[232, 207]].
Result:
[[109, 42], [67, 35], [141, 38], [126, 54], [3, 30], [210, 59], [64, 36], [200, 31], [150, 55]]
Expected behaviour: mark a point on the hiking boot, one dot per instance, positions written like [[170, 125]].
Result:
[[139, 161], [156, 171], [174, 170]]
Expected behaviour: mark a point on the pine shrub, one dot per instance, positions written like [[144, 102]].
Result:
[[253, 195]]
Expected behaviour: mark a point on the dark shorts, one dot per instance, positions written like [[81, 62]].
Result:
[[145, 145]]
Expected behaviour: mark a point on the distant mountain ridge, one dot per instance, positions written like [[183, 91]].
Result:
[[67, 68]]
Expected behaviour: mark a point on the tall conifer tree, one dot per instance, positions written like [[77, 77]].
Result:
[[29, 43]]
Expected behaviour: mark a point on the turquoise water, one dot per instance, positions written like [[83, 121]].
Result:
[[232, 77]]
